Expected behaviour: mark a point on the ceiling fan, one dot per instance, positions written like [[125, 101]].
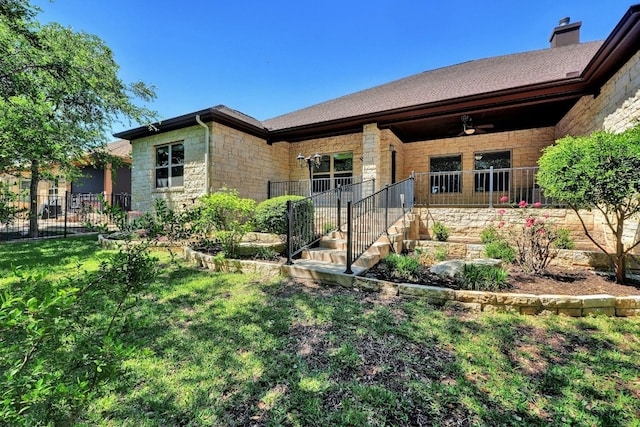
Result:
[[469, 129]]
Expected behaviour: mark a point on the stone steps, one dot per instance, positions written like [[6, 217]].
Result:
[[327, 262]]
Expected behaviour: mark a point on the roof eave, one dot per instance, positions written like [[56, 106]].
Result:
[[186, 120], [541, 92]]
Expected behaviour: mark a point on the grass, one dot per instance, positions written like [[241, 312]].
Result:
[[225, 349]]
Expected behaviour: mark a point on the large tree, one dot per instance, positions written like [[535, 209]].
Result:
[[598, 172], [60, 94]]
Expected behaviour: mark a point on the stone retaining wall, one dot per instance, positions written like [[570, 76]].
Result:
[[575, 306]]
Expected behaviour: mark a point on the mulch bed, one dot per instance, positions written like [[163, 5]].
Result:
[[556, 280]]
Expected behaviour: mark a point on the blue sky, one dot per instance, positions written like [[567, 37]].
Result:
[[267, 58]]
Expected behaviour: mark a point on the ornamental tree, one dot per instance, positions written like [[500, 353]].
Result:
[[60, 94], [601, 172]]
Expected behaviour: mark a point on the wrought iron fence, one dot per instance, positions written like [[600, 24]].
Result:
[[302, 187], [58, 215], [312, 217], [483, 188], [368, 219]]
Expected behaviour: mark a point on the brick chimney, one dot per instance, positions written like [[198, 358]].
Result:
[[565, 33]]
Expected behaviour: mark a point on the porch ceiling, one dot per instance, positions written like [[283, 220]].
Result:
[[487, 120]]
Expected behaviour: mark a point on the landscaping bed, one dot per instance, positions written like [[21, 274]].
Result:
[[556, 280]]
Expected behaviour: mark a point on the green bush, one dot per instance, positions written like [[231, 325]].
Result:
[[489, 234], [563, 240], [225, 217], [402, 266], [271, 215], [440, 231], [478, 277], [63, 339], [500, 249]]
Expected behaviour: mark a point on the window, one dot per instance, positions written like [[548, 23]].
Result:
[[445, 173], [499, 181], [169, 165], [335, 169]]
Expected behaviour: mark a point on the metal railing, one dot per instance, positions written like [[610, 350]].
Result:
[[59, 215], [482, 188], [368, 219], [312, 217], [302, 187]]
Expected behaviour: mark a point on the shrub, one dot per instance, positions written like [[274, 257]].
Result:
[[402, 266], [62, 339], [564, 240], [532, 236], [489, 234], [440, 231], [225, 217], [441, 253], [478, 277], [271, 215], [500, 249]]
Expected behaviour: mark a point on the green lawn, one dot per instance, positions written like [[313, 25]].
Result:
[[225, 349]]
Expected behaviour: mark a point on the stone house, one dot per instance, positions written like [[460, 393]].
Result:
[[450, 126]]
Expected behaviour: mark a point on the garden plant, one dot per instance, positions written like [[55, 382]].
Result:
[[599, 172]]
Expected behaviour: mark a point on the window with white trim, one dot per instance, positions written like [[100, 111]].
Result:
[[169, 165]]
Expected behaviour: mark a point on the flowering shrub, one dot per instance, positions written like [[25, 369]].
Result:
[[533, 236]]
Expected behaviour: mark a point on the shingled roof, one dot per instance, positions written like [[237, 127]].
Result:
[[517, 91], [457, 81]]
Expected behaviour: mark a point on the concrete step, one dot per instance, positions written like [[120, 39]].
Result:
[[336, 256], [323, 272]]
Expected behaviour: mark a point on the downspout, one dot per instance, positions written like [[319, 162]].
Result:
[[206, 153]]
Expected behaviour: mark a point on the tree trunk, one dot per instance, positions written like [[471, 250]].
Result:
[[33, 197], [620, 263]]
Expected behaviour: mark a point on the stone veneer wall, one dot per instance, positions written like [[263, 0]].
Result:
[[334, 144], [237, 160], [525, 147], [246, 163], [468, 223], [614, 109]]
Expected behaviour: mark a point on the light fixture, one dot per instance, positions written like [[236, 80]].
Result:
[[310, 161], [467, 125], [392, 148], [478, 156]]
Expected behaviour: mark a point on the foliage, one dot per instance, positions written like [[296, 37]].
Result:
[[479, 277], [564, 240], [9, 210], [230, 349], [62, 340], [532, 237], [500, 249], [428, 257], [271, 215], [441, 253], [225, 217], [266, 254], [601, 172], [440, 231], [402, 266], [489, 234], [59, 95]]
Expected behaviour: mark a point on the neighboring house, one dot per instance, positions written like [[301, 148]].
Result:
[[114, 184], [497, 112], [107, 180]]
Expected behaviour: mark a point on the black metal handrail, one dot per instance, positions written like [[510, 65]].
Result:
[[368, 219], [303, 188], [310, 218]]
